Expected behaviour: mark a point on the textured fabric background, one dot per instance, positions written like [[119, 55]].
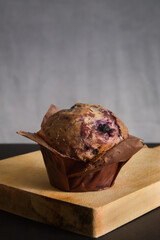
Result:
[[66, 51]]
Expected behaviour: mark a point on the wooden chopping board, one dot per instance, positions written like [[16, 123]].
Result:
[[25, 191]]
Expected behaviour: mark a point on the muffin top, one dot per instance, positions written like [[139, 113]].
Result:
[[84, 131]]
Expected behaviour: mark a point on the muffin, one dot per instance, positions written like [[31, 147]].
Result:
[[84, 147], [84, 131]]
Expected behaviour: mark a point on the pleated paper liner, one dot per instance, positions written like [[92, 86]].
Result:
[[69, 174]]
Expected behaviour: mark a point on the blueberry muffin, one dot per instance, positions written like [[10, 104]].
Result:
[[83, 147], [84, 131]]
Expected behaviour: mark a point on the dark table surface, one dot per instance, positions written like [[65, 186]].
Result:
[[15, 227]]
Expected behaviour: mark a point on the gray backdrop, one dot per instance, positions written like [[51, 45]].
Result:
[[66, 51]]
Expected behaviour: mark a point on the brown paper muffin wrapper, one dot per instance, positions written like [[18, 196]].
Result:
[[69, 174]]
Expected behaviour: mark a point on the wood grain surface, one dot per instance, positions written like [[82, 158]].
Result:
[[25, 191]]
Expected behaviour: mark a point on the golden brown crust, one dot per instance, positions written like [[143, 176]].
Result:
[[75, 131], [61, 135]]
